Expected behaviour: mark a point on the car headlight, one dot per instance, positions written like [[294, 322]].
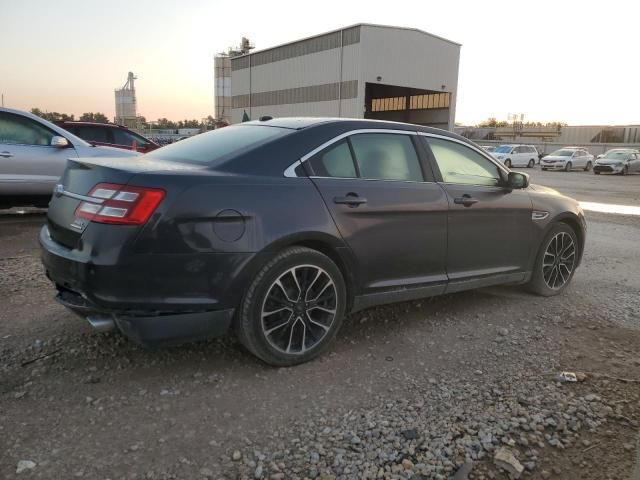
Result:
[[500, 157]]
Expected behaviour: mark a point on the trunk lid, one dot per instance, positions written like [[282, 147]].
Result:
[[79, 178]]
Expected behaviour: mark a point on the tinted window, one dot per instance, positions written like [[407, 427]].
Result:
[[92, 134], [15, 129], [335, 161], [386, 156], [460, 164], [123, 137], [215, 147]]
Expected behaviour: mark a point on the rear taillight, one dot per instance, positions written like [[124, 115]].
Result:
[[120, 204]]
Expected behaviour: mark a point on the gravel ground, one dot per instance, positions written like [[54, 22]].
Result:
[[459, 386]]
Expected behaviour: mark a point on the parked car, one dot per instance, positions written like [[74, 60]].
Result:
[[516, 155], [110, 135], [568, 158], [277, 229], [33, 154], [618, 160]]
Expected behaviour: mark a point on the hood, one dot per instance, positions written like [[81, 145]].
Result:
[[609, 161], [556, 158], [541, 189]]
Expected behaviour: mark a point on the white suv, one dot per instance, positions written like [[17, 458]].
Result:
[[516, 155]]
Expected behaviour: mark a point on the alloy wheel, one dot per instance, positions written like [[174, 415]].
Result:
[[559, 260], [299, 309]]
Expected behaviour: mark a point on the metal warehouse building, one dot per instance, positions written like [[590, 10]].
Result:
[[362, 71]]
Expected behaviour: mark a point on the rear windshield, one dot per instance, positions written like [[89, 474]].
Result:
[[213, 148]]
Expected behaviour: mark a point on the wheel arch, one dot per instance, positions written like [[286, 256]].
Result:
[[574, 222], [327, 244]]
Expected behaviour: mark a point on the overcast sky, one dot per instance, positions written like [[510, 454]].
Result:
[[572, 61]]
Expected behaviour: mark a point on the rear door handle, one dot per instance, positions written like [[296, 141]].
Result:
[[351, 199], [6, 154], [466, 200]]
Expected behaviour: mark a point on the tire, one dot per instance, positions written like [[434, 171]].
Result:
[[597, 173], [542, 278], [588, 167], [531, 163], [568, 167], [292, 269], [625, 170], [543, 169], [507, 163]]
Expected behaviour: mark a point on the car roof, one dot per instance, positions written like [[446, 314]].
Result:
[[300, 123], [90, 124]]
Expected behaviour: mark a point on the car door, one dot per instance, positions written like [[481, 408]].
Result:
[[634, 163], [388, 209], [29, 165], [489, 226]]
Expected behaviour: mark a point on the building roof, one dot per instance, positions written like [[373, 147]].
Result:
[[346, 28]]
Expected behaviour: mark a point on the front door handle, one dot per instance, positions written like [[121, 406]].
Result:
[[466, 200], [351, 199], [6, 154]]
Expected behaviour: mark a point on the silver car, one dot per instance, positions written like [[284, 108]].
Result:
[[33, 155], [618, 160]]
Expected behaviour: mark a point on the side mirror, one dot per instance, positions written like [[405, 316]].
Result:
[[517, 180], [60, 142], [600, 156]]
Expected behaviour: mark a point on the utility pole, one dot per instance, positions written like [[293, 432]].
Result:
[[3, 99]]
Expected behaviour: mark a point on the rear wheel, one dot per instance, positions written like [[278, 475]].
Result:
[[532, 162], [556, 261], [588, 167], [507, 163], [568, 166], [293, 308]]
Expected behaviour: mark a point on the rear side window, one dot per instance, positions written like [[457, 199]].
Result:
[[386, 156], [335, 161], [18, 130], [213, 148]]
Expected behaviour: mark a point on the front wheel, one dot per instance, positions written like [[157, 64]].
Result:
[[293, 308], [568, 166], [532, 162], [625, 170], [588, 167], [507, 163], [556, 261], [596, 172]]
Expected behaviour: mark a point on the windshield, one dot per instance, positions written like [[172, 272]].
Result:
[[562, 153], [617, 154], [213, 148], [490, 149], [503, 149]]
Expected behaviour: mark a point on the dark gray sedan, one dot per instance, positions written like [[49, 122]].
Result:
[[277, 229]]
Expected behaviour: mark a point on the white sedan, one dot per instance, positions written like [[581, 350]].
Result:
[[567, 158]]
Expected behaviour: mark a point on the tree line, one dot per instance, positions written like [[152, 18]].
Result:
[[99, 117], [493, 122]]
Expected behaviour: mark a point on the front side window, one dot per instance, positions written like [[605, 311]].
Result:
[[386, 156], [335, 161], [462, 165], [18, 130]]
